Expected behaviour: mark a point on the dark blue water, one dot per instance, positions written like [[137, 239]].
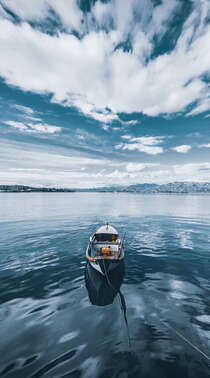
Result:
[[49, 328]]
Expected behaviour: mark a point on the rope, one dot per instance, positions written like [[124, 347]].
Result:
[[123, 308], [186, 340], [121, 301]]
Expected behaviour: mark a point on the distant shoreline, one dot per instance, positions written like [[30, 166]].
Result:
[[170, 188], [107, 192]]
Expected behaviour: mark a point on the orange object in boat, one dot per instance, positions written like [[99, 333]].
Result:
[[105, 250]]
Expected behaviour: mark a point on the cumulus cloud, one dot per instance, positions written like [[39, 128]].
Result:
[[143, 148], [85, 65], [132, 122], [205, 145], [102, 116], [34, 127], [26, 112], [81, 137], [149, 140], [25, 10], [149, 145], [17, 125], [182, 149], [203, 105], [105, 127], [4, 14], [136, 167], [37, 10], [43, 128], [25, 109], [126, 137]]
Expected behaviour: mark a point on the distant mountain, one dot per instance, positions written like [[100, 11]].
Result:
[[172, 187]]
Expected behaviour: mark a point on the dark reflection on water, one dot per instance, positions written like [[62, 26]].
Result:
[[49, 326], [102, 289]]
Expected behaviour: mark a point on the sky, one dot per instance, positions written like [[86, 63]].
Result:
[[100, 93]]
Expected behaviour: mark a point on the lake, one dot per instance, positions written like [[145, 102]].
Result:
[[50, 328]]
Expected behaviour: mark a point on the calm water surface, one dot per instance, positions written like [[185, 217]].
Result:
[[49, 327]]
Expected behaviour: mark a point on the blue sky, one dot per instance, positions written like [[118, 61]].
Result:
[[96, 93]]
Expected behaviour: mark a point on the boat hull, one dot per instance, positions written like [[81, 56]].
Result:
[[105, 265]]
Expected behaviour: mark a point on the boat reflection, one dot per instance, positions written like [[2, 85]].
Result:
[[103, 288]]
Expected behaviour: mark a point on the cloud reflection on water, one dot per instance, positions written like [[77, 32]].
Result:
[[45, 311]]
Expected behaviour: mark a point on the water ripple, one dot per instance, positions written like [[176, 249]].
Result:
[[48, 325]]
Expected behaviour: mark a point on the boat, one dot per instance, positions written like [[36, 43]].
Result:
[[105, 269], [105, 249]]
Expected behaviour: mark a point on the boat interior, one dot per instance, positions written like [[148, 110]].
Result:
[[105, 246]]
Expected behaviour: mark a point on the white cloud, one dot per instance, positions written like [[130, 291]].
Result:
[[149, 145], [90, 110], [69, 13], [126, 137], [43, 128], [192, 171], [103, 116], [132, 122], [37, 10], [142, 148], [149, 140], [37, 119], [81, 137], [24, 109], [182, 149], [27, 112], [136, 167], [17, 125], [92, 74], [3, 13], [202, 106], [34, 127], [31, 164], [33, 10], [105, 127], [205, 145], [89, 138]]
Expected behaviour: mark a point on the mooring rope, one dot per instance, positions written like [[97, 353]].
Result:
[[121, 301], [186, 340]]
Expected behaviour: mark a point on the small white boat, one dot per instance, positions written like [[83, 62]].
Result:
[[105, 249]]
